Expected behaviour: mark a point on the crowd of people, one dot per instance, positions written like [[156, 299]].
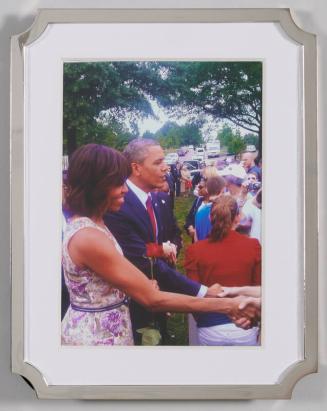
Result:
[[121, 241]]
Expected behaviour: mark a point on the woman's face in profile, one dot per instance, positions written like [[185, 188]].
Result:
[[116, 197], [202, 188]]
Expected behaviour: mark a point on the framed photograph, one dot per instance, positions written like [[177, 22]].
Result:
[[227, 90]]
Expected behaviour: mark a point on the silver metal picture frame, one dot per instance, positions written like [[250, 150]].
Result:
[[308, 211]]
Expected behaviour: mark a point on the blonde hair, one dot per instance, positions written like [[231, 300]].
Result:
[[209, 171], [224, 210]]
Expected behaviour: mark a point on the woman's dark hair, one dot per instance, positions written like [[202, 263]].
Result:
[[223, 212], [93, 170]]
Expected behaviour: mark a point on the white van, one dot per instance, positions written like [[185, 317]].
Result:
[[213, 149]]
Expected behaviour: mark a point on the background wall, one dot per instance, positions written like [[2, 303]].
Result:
[[15, 394]]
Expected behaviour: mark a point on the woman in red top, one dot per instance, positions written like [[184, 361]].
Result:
[[227, 258]]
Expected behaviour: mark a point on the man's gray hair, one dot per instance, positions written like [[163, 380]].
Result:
[[252, 154], [137, 150]]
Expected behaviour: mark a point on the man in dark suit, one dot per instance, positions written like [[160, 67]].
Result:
[[138, 228], [171, 185], [176, 173], [190, 218]]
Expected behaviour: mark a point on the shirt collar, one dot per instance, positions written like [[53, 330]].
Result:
[[140, 194]]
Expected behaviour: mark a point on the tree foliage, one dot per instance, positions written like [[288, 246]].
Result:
[[220, 90], [252, 139], [104, 101], [232, 141], [172, 135], [113, 91], [236, 145], [225, 135], [148, 134]]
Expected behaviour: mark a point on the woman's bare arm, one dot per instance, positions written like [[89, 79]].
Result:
[[249, 291], [93, 249]]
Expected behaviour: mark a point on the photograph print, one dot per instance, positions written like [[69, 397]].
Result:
[[161, 203]]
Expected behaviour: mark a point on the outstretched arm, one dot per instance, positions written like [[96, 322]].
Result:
[[252, 296], [250, 291], [93, 249], [131, 236]]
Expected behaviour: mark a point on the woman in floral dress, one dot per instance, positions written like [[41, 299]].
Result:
[[97, 276]]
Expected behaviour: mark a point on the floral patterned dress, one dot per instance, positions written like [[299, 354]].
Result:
[[98, 313]]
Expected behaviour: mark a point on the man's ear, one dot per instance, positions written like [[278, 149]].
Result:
[[136, 169]]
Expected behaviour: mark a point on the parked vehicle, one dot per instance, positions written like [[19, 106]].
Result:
[[194, 166], [182, 151], [199, 154], [171, 158], [213, 149]]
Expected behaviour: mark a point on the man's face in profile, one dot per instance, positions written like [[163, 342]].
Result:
[[153, 169]]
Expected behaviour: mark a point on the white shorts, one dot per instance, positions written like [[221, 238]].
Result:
[[227, 334]]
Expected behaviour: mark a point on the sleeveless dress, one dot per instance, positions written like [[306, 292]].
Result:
[[98, 313]]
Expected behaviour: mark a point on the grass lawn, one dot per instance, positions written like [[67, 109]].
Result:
[[177, 323]]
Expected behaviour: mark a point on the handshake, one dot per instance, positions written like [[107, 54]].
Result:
[[244, 307], [170, 252]]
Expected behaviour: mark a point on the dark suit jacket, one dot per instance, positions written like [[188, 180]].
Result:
[[171, 184], [132, 228], [190, 218], [171, 231]]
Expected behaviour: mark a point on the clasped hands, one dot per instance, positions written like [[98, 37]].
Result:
[[245, 309], [170, 252]]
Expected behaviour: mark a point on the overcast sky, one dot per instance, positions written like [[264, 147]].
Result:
[[153, 125]]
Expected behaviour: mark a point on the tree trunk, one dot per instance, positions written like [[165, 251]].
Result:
[[260, 142]]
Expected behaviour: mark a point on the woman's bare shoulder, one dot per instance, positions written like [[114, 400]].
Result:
[[89, 237]]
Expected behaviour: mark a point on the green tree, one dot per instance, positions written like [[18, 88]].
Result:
[[236, 145], [113, 94], [190, 135], [167, 135], [225, 135], [172, 135], [221, 90], [148, 134], [251, 139], [232, 141], [115, 136], [117, 90]]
